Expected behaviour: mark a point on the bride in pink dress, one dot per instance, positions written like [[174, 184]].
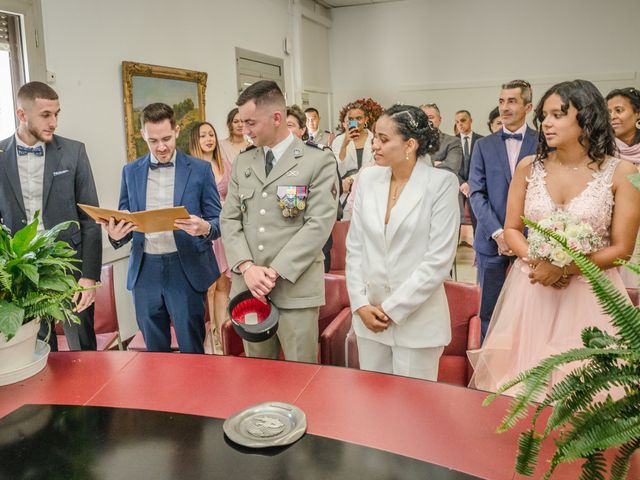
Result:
[[543, 308]]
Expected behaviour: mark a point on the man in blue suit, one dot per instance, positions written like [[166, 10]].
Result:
[[493, 162], [169, 272]]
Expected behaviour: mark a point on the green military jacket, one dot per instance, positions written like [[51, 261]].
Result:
[[283, 220]]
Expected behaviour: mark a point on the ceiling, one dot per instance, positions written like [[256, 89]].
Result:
[[350, 3]]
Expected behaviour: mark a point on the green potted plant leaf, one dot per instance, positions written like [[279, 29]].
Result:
[[36, 284], [586, 417]]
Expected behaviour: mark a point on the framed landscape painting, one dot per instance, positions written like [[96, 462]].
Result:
[[143, 84]]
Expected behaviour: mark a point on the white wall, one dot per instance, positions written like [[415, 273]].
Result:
[[86, 41], [457, 54]]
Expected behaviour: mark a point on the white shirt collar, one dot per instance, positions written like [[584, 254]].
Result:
[[279, 149], [153, 159]]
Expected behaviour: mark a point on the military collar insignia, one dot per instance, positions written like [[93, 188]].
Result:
[[250, 147], [297, 152]]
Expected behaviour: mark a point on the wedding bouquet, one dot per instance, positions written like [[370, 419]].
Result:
[[579, 235]]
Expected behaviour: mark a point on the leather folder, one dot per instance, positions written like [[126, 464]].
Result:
[[147, 221]]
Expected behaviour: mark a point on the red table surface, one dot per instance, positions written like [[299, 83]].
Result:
[[433, 422]]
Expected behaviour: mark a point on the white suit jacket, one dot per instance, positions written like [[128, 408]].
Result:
[[404, 268], [350, 161]]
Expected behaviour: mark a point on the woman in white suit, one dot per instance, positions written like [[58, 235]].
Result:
[[400, 247]]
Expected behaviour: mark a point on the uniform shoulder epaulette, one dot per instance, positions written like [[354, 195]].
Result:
[[250, 147], [317, 145]]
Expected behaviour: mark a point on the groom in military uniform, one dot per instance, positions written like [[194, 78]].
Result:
[[278, 214]]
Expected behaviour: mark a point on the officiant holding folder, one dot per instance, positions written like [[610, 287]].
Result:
[[169, 272]]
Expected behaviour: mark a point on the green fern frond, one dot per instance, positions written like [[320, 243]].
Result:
[[594, 468], [621, 464], [528, 451], [601, 436]]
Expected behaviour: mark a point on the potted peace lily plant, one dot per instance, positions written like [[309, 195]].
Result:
[[588, 424], [36, 284]]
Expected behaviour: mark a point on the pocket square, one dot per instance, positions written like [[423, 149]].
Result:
[[60, 172]]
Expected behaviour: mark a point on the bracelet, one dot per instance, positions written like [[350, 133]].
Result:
[[242, 272]]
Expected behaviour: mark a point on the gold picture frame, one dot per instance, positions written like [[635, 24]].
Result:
[[184, 90]]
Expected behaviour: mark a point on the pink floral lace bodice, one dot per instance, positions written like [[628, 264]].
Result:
[[593, 205]]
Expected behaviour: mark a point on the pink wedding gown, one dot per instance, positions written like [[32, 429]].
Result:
[[533, 322]]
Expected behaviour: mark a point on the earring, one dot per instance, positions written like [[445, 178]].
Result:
[[406, 157]]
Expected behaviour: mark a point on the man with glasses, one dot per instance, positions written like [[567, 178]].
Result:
[[493, 162], [468, 139]]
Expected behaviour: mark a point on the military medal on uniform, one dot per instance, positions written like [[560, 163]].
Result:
[[292, 199]]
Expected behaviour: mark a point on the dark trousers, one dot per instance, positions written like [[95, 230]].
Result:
[[327, 254], [492, 271], [80, 336], [162, 294]]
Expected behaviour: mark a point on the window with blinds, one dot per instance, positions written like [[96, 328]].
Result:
[[12, 74]]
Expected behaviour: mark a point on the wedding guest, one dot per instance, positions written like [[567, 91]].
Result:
[[493, 162], [624, 109], [468, 139], [495, 122], [236, 141], [449, 155], [45, 172], [297, 122], [543, 308], [170, 271], [353, 147], [203, 144], [316, 134], [400, 248]]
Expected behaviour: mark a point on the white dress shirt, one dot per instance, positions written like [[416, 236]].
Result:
[[514, 146], [31, 173], [160, 188], [279, 149]]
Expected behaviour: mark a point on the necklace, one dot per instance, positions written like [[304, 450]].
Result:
[[574, 168], [398, 190]]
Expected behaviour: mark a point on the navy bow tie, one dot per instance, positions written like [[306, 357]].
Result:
[[512, 136], [154, 166], [37, 151]]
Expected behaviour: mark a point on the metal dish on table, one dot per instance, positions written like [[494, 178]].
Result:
[[269, 424]]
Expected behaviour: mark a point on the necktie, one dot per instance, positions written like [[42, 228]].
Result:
[[511, 136], [37, 151], [268, 159], [310, 138], [465, 147], [155, 166]]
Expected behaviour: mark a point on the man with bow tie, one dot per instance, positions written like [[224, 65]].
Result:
[[169, 272], [493, 162], [40, 171]]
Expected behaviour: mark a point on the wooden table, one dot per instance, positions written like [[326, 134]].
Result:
[[433, 422]]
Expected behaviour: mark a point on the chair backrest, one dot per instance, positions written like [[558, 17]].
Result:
[[105, 314], [336, 299], [105, 317], [464, 303], [339, 248]]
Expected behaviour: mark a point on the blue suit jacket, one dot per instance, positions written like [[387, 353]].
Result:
[[195, 189], [489, 179]]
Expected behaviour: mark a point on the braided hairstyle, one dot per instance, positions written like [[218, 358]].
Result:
[[593, 118], [412, 122]]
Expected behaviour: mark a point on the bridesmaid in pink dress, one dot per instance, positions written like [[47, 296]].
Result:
[[236, 141], [543, 308], [203, 144]]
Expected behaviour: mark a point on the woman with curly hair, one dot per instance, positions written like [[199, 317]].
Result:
[[353, 147], [543, 308], [400, 247]]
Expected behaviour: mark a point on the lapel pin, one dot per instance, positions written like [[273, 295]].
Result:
[[292, 173], [297, 152]]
